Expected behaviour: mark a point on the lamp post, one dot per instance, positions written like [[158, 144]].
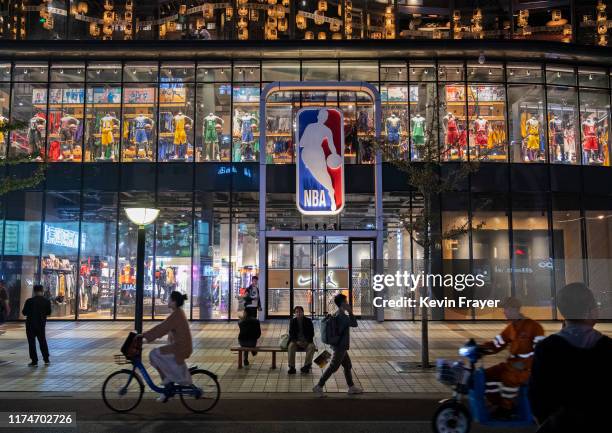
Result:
[[141, 217]]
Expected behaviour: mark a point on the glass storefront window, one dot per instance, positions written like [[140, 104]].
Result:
[[567, 240], [599, 252], [211, 258], [126, 258], [560, 75], [563, 132], [393, 71], [531, 256], [279, 275], [319, 70], [61, 242], [245, 128], [103, 72], [140, 72], [594, 127], [487, 119], [32, 72], [281, 109], [527, 126], [359, 71], [67, 72], [139, 129], [65, 122], [593, 78], [357, 109], [453, 116], [213, 139], [28, 108], [177, 72], [487, 72], [451, 71], [173, 237], [210, 72], [176, 122], [423, 122], [394, 99], [5, 71], [245, 244], [422, 71], [247, 72], [288, 70], [102, 122], [524, 73], [21, 254], [97, 279]]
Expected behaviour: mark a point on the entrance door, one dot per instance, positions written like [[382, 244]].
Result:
[[310, 271]]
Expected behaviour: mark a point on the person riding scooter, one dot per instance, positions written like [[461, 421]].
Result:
[[503, 380]]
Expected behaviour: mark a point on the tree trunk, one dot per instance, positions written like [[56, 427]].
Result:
[[425, 291]]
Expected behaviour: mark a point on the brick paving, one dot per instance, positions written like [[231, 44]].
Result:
[[82, 356]]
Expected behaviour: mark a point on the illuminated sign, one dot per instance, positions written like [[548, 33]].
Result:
[[320, 161], [61, 237]]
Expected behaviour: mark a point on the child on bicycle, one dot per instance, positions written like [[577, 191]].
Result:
[[169, 360]]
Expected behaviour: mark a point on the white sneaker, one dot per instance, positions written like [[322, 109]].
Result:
[[162, 398], [354, 390], [318, 390]]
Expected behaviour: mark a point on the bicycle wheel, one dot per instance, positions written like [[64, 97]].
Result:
[[122, 391], [205, 392]]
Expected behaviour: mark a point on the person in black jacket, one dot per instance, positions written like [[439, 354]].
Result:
[[301, 336], [250, 331], [36, 309], [571, 377]]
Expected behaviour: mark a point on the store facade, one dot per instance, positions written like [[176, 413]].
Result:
[[183, 131]]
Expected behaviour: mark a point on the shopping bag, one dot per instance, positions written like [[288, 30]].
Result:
[[283, 342], [322, 359]]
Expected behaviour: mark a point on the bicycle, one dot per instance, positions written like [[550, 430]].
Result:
[[122, 390]]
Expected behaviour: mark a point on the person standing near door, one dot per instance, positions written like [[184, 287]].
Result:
[[252, 302], [36, 309]]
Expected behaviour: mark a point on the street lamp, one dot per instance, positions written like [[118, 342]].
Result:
[[141, 217]]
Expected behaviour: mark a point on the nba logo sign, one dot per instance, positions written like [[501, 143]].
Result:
[[320, 161]]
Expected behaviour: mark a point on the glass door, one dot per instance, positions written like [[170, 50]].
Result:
[[279, 278]]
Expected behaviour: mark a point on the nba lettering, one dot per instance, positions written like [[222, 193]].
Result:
[[320, 161]]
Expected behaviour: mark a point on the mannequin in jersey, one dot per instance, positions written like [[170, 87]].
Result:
[[532, 128], [180, 122], [142, 125], [211, 136], [36, 136], [417, 130], [589, 139], [555, 126], [108, 124], [451, 134], [481, 128], [393, 128], [248, 122], [68, 128]]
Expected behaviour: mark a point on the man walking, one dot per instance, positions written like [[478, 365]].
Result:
[[252, 303], [5, 306], [344, 321], [36, 310], [301, 336]]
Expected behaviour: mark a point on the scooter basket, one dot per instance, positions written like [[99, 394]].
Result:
[[447, 372]]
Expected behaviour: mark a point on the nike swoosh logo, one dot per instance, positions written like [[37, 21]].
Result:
[[302, 280]]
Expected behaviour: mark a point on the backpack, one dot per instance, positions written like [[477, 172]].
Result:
[[330, 330]]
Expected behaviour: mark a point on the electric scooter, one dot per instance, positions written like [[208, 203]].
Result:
[[454, 415]]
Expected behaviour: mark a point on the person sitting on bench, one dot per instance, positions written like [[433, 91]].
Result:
[[301, 336], [250, 331]]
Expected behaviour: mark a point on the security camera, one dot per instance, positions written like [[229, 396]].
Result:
[[481, 59]]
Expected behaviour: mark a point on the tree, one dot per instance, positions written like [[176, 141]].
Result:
[[10, 182], [428, 180]]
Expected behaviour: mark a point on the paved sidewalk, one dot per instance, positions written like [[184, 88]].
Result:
[[82, 357]]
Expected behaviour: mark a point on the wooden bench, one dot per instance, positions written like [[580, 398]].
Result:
[[271, 349]]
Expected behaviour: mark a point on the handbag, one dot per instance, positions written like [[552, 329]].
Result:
[[132, 347], [284, 341], [322, 359]]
